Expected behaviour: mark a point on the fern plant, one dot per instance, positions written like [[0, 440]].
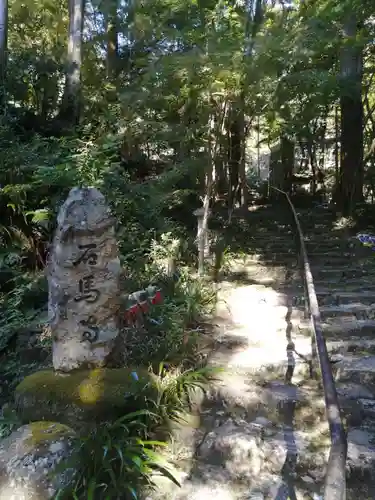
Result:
[[177, 390], [117, 459]]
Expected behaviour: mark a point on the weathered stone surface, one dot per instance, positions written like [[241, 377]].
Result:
[[353, 391], [246, 449], [361, 451], [351, 411], [28, 461], [83, 277], [357, 369], [213, 482], [82, 396], [368, 406], [237, 447]]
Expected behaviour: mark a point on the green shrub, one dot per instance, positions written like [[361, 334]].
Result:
[[117, 459], [121, 457]]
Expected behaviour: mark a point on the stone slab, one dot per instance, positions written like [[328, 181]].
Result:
[[83, 278]]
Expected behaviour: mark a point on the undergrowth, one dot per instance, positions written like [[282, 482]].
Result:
[[122, 458], [156, 235]]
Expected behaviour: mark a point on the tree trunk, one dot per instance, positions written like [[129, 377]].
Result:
[[239, 181], [351, 168], [112, 29], [243, 191], [312, 157], [71, 102], [234, 155], [287, 162], [3, 50]]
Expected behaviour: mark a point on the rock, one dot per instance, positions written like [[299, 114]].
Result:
[[245, 449], [29, 458], [206, 492], [351, 411], [209, 482], [353, 391], [236, 447], [368, 408], [361, 451], [84, 395], [235, 390], [83, 280], [357, 369]]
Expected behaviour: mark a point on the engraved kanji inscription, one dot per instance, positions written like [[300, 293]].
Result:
[[91, 331], [87, 291], [88, 255]]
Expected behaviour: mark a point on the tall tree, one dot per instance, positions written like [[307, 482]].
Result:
[[238, 126], [112, 28], [3, 49], [351, 65], [71, 102]]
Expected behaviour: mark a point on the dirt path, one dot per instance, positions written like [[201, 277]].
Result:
[[254, 424]]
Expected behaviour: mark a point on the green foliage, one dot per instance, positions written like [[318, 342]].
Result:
[[8, 421], [121, 457], [185, 71], [171, 330], [177, 390], [117, 459]]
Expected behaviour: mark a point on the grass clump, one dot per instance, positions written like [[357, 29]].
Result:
[[122, 457]]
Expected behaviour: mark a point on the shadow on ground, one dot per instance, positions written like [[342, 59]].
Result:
[[262, 426]]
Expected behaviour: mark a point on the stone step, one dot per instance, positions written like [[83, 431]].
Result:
[[336, 348], [325, 242], [357, 369], [358, 283], [341, 272], [285, 260], [361, 454], [354, 345], [265, 238], [355, 288], [334, 261], [330, 251], [359, 310], [274, 246], [341, 328], [366, 297], [324, 291], [330, 254]]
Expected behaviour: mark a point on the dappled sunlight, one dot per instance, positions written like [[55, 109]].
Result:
[[90, 390], [250, 305], [343, 223], [204, 491], [260, 312]]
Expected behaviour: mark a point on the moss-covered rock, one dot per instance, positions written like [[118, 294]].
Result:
[[37, 460], [84, 395]]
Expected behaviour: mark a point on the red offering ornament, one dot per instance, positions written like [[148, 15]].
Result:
[[144, 306], [131, 313], [157, 298]]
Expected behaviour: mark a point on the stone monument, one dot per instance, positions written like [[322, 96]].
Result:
[[83, 278], [83, 304]]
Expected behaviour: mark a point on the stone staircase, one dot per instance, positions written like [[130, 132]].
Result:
[[344, 275], [263, 433], [344, 279]]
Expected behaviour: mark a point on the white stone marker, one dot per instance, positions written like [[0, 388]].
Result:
[[83, 280]]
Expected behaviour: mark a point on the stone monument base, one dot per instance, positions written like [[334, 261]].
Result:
[[32, 461], [84, 396]]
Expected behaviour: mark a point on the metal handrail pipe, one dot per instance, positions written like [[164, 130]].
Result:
[[335, 477]]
